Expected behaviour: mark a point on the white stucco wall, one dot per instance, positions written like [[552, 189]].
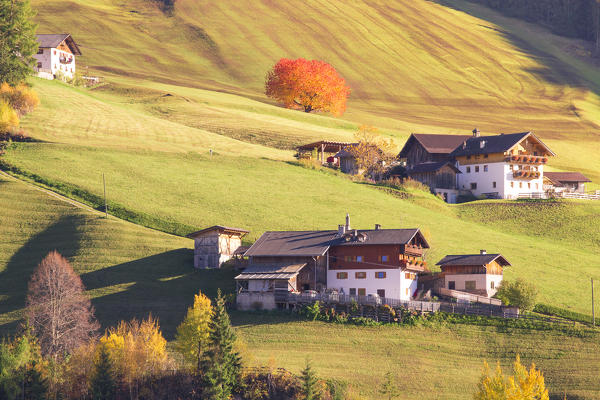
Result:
[[50, 59], [482, 282], [394, 284], [500, 173]]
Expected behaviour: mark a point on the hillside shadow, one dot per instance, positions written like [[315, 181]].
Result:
[[551, 69], [162, 285], [63, 236]]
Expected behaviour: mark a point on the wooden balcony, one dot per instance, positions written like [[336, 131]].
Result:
[[413, 250], [527, 159], [420, 266], [526, 174]]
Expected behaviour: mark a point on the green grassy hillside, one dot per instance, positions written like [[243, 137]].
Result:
[[129, 271], [441, 362], [258, 194]]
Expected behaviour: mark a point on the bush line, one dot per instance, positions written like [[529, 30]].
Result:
[[97, 202], [561, 312]]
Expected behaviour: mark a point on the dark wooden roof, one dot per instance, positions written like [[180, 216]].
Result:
[[434, 144], [559, 177], [316, 243], [431, 167], [473, 259], [330, 147], [270, 272], [292, 243], [383, 237], [494, 144], [221, 229], [54, 40]]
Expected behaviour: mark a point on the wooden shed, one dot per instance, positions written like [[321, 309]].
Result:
[[215, 245]]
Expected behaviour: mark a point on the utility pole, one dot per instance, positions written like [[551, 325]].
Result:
[[593, 313], [105, 204]]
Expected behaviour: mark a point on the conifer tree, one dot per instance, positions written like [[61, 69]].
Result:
[[103, 384], [221, 366], [18, 43], [310, 389], [389, 389], [35, 386]]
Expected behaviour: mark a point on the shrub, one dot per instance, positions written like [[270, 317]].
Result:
[[519, 293], [20, 97], [312, 311], [8, 117]]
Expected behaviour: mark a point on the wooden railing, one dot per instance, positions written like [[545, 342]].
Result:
[[468, 297], [332, 298], [559, 195]]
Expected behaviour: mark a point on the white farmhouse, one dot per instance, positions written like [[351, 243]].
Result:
[[56, 54], [502, 166], [479, 274]]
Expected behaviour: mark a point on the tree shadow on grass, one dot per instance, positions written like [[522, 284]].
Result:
[[162, 285], [63, 236]]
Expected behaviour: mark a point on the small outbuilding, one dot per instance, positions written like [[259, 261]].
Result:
[[479, 274], [566, 181], [215, 245]]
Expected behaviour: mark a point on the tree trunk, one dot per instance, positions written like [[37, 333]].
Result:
[[307, 109]]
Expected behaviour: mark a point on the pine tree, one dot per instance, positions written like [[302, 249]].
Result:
[[221, 366], [35, 386], [103, 384], [18, 43], [310, 389]]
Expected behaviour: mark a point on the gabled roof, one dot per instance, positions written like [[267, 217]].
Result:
[[55, 39], [559, 177], [494, 144], [383, 237], [434, 144], [221, 229], [330, 147], [292, 243], [316, 243], [473, 259], [431, 167], [256, 271]]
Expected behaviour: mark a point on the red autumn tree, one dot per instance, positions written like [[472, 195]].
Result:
[[59, 312], [309, 85]]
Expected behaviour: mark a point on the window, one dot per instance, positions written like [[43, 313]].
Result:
[[39, 65], [407, 292], [528, 185], [473, 185], [494, 185], [359, 258], [362, 291], [511, 167], [520, 185], [40, 51], [380, 275], [360, 275], [468, 157], [537, 185], [451, 285], [470, 285], [485, 168], [54, 52], [407, 275], [468, 170], [381, 292], [485, 156], [352, 291], [383, 258], [348, 258], [342, 275], [512, 184], [477, 168], [492, 285]]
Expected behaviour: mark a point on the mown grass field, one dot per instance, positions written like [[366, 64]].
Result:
[[439, 362], [129, 271], [199, 190]]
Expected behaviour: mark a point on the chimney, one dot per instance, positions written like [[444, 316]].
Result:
[[347, 222], [341, 230], [475, 132], [482, 252], [377, 227]]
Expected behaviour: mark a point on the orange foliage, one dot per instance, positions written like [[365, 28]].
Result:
[[309, 85], [20, 97]]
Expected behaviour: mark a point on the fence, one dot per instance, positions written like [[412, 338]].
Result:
[[468, 297], [344, 299], [560, 195]]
